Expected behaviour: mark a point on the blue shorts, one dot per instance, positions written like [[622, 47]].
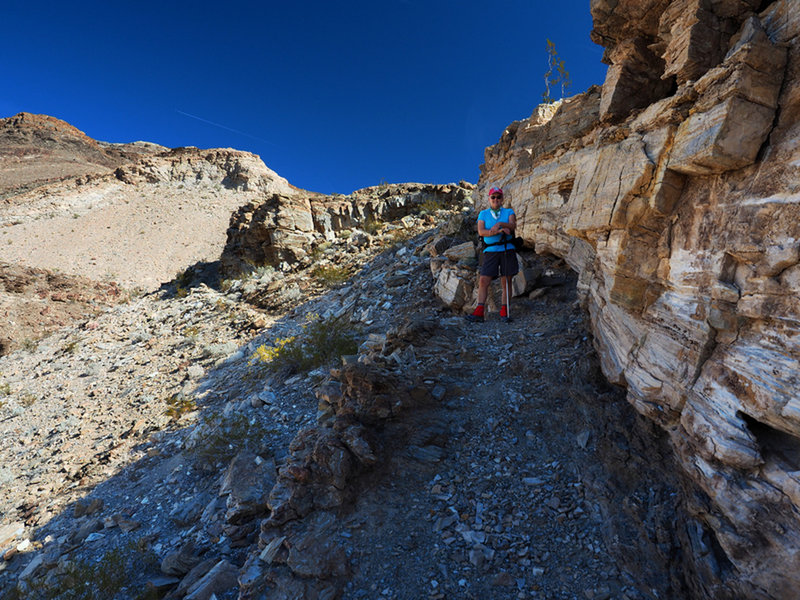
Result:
[[500, 263]]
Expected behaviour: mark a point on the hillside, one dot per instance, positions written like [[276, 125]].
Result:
[[148, 436], [303, 412]]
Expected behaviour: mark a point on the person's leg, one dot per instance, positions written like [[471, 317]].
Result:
[[488, 271], [504, 283], [483, 292], [483, 288]]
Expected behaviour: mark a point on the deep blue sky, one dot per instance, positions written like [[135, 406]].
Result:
[[334, 96]]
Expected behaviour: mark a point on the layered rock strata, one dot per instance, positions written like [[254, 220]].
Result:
[[283, 229], [679, 210]]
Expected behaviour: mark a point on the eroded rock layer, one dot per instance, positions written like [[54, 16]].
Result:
[[283, 229], [674, 193]]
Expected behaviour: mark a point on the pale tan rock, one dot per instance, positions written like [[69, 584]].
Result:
[[465, 251], [454, 285], [736, 107]]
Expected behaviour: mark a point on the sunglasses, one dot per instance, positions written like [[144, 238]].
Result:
[[495, 196]]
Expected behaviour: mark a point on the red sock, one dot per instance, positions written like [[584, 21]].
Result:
[[478, 310], [503, 311]]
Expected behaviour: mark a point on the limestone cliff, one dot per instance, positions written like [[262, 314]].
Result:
[[673, 192]]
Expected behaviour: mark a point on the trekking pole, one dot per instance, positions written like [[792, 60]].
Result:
[[508, 282]]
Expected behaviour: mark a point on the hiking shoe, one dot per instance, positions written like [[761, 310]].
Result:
[[474, 318]]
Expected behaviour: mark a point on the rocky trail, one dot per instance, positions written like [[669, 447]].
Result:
[[141, 450]]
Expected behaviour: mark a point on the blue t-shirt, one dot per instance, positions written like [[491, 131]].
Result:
[[489, 221]]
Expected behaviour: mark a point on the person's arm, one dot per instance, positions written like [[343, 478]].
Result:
[[508, 227], [483, 232]]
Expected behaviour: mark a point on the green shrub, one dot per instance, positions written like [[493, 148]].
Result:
[[178, 405], [320, 342], [430, 206], [373, 226], [331, 274]]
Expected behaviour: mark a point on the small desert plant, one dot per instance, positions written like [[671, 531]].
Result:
[[191, 335], [330, 275], [373, 226], [29, 344], [397, 238], [178, 405], [27, 399], [5, 389], [183, 278], [263, 271], [321, 341], [430, 206]]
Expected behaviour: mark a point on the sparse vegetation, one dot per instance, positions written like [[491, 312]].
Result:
[[5, 389], [373, 226], [29, 344], [27, 399], [319, 251], [191, 334], [430, 206], [559, 78], [110, 577], [397, 238], [331, 274], [321, 341], [178, 405]]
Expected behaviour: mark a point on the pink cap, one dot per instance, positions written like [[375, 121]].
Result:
[[496, 191]]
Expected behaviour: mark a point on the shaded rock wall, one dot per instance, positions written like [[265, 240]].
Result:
[[678, 207]]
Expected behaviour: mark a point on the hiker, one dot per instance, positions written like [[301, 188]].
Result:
[[496, 225]]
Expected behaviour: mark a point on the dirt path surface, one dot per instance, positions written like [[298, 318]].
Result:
[[123, 443]]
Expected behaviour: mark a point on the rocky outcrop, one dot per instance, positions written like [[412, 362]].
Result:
[[232, 169], [678, 209], [283, 229]]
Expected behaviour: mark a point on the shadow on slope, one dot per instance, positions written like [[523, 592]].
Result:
[[176, 501]]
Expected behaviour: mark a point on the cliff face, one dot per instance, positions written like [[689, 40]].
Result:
[[284, 229], [674, 192]]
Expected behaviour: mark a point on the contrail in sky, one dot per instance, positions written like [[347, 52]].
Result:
[[255, 137]]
